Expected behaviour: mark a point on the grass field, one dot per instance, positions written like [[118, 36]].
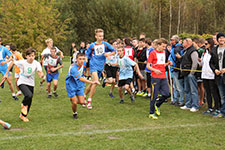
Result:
[[108, 125]]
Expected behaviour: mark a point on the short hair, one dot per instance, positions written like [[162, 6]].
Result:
[[80, 55], [155, 41], [148, 41], [99, 31], [13, 47], [112, 41], [53, 48], [120, 47], [30, 51], [201, 40], [161, 41], [127, 41], [176, 38], [142, 39], [48, 40]]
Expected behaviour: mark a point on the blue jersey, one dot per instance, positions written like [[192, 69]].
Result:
[[126, 70], [72, 78], [148, 51], [3, 53], [95, 53]]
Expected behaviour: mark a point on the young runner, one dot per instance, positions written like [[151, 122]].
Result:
[[75, 83], [16, 56], [97, 52], [28, 67], [126, 73], [159, 81], [111, 70], [5, 124], [52, 70]]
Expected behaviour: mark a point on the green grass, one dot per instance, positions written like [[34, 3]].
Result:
[[108, 126]]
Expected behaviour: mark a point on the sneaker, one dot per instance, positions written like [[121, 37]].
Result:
[[24, 109], [110, 94], [132, 98], [56, 95], [201, 104], [25, 119], [49, 96], [18, 93], [220, 115], [121, 102], [89, 105], [7, 126], [15, 98], [185, 108], [193, 109], [41, 85], [173, 103], [179, 104], [85, 102], [216, 112], [103, 84], [208, 112], [153, 116], [138, 93], [145, 94], [157, 111], [74, 116], [142, 93]]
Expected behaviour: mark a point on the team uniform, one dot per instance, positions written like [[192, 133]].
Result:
[[111, 70], [3, 53], [158, 81], [74, 86], [95, 53], [26, 81], [52, 63]]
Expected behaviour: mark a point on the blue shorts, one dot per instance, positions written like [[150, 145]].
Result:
[[99, 72], [72, 91], [52, 76], [4, 71]]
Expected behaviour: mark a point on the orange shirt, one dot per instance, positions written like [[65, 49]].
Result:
[[17, 56]]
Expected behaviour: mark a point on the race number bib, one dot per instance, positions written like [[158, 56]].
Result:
[[161, 58], [128, 52], [52, 62], [99, 49]]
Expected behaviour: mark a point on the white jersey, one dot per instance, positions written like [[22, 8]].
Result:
[[47, 51], [27, 71]]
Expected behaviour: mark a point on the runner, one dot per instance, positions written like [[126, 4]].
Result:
[[75, 83], [97, 52]]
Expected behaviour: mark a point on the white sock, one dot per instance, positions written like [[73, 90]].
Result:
[[139, 91], [50, 93], [75, 113], [54, 91], [133, 90], [149, 94], [89, 100], [13, 94]]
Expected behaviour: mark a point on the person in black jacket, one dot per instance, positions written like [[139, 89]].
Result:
[[217, 64]]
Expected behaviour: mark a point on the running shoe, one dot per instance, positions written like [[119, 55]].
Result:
[[74, 116], [15, 98], [153, 116], [103, 84], [121, 102], [157, 111], [25, 119], [24, 109], [110, 94], [132, 98], [89, 105], [7, 126], [56, 95]]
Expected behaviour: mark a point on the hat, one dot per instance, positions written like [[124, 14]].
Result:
[[219, 35]]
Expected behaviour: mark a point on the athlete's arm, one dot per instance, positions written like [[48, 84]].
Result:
[[41, 74], [138, 71], [87, 81], [9, 67], [6, 61], [153, 69], [109, 54]]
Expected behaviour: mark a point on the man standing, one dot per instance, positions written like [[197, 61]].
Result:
[[190, 62]]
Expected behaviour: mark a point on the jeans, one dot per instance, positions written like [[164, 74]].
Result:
[[222, 94], [178, 88], [191, 91]]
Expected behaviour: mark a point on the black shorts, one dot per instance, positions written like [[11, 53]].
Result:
[[110, 71], [124, 82]]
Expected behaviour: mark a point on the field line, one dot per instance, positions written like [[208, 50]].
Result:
[[92, 132]]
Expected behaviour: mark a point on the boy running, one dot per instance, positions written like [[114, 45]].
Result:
[[97, 52], [28, 67], [159, 81], [52, 70], [75, 83], [126, 73]]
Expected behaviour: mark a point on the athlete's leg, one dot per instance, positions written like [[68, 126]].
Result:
[[93, 87]]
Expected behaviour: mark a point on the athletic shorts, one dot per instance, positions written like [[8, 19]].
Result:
[[51, 77], [124, 82], [149, 77], [71, 92], [4, 71], [95, 70], [143, 74], [17, 75], [110, 71]]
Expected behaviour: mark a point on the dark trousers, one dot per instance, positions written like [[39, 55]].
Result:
[[149, 77], [28, 95], [158, 85], [211, 89]]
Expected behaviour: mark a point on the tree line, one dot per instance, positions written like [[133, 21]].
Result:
[[29, 23]]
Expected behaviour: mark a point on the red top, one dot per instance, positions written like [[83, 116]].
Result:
[[158, 59], [129, 52]]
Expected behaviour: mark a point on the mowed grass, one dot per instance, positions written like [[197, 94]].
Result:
[[108, 125]]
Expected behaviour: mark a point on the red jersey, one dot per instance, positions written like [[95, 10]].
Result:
[[158, 59], [129, 52]]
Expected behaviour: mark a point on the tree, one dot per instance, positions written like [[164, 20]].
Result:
[[30, 23]]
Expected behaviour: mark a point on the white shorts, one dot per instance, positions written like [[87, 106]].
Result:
[[17, 75]]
